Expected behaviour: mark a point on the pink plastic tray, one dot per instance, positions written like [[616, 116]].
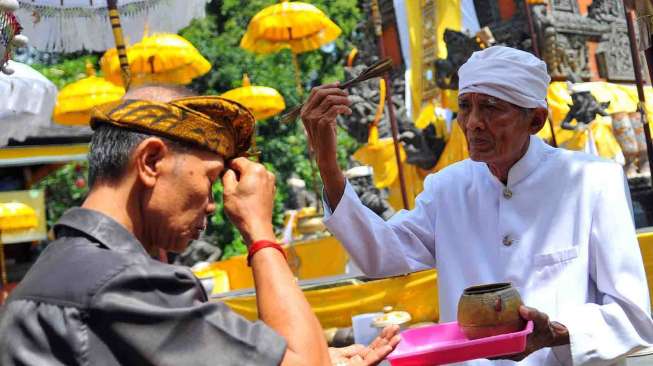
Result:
[[445, 343]]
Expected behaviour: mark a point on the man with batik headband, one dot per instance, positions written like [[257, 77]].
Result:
[[556, 223], [95, 296]]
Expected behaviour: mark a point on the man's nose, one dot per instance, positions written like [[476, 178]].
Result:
[[475, 120]]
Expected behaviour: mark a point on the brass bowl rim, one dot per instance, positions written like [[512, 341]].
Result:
[[487, 288]]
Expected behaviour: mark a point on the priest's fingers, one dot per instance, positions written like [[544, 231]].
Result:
[[540, 319], [320, 102], [314, 90], [330, 101], [334, 111]]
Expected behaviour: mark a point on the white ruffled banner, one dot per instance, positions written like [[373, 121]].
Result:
[[84, 24]]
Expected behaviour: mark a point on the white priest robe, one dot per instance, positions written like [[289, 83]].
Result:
[[561, 231]]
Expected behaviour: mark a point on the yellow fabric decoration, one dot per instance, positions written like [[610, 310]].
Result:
[[414, 178], [381, 105], [455, 150], [217, 124], [415, 27], [381, 156], [426, 116], [429, 116], [448, 16]]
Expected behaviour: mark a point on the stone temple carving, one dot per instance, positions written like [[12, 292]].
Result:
[[563, 35], [459, 48]]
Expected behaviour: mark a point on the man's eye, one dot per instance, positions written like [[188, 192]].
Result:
[[492, 107]]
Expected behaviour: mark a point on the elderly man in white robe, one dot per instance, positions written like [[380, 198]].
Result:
[[556, 224]]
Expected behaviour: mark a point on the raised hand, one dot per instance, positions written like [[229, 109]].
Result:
[[319, 113], [249, 198]]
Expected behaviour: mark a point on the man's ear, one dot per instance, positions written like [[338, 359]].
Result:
[[538, 119], [148, 160]]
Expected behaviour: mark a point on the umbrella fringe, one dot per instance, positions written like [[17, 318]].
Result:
[[54, 28]]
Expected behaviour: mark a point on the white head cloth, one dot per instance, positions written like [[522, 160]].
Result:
[[506, 73]]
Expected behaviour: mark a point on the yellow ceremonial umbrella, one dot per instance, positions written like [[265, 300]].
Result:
[[299, 26], [158, 59], [75, 101], [14, 216], [263, 101]]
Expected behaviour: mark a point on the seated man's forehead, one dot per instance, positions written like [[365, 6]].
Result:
[[482, 97]]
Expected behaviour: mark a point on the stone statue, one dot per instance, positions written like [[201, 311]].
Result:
[[198, 251], [423, 147], [606, 11], [364, 101], [298, 196], [583, 109], [629, 131], [459, 48]]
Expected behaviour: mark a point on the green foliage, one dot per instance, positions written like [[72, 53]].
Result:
[[71, 69], [64, 188]]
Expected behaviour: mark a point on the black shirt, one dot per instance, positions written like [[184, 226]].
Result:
[[95, 297]]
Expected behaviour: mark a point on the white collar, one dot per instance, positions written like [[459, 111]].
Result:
[[524, 166]]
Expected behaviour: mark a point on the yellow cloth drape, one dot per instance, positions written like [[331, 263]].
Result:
[[455, 150], [380, 155], [448, 16]]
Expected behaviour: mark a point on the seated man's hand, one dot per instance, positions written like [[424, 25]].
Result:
[[249, 198], [359, 355], [545, 333]]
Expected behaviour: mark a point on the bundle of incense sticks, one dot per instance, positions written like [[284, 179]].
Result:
[[377, 69]]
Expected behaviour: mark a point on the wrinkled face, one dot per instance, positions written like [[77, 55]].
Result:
[[177, 206], [497, 132]]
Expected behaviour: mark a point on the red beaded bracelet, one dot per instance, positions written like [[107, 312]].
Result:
[[261, 244]]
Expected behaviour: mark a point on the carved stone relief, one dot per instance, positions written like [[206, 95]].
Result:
[[613, 55], [565, 5], [564, 35]]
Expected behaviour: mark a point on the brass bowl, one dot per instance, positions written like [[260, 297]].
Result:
[[489, 310]]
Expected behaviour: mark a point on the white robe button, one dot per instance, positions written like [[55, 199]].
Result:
[[507, 194], [507, 241]]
